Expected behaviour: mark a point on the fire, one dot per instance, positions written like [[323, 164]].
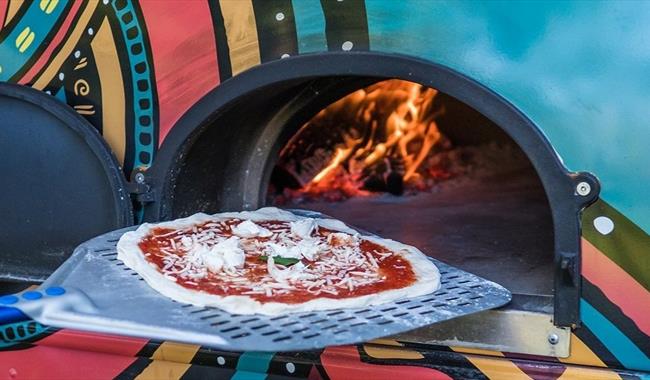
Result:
[[386, 132]]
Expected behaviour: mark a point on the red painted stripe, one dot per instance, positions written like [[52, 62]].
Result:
[[41, 362], [4, 5], [86, 341], [52, 45], [344, 362], [184, 55], [617, 285]]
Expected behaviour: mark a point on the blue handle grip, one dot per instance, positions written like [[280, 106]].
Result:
[[10, 314]]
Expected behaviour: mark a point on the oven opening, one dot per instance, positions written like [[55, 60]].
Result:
[[405, 149], [410, 163]]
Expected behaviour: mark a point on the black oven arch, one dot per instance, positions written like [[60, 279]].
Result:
[[256, 104]]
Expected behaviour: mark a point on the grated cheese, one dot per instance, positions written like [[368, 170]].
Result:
[[329, 262]]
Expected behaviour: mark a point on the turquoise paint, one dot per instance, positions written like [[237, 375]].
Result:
[[310, 26], [20, 332], [60, 94], [579, 70], [145, 75], [245, 375], [253, 365], [11, 59], [616, 342]]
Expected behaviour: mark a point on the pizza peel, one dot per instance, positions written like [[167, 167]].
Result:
[[94, 291]]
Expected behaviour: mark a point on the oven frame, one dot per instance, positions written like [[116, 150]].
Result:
[[564, 189]]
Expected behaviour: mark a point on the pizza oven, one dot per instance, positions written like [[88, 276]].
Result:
[[392, 157], [395, 146], [403, 148]]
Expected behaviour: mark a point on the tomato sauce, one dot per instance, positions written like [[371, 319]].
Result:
[[395, 271]]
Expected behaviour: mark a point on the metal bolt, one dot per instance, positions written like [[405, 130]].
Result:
[[139, 178], [553, 338], [583, 189]]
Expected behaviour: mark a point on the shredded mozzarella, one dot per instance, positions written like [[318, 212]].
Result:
[[329, 262], [248, 229]]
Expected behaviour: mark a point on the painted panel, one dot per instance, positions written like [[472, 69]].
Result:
[[577, 69]]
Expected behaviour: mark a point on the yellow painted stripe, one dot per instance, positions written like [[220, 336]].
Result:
[[378, 352], [14, 6], [79, 28], [580, 373], [493, 368], [175, 352], [581, 354], [497, 368], [157, 370], [48, 6], [241, 33], [477, 351], [24, 39], [170, 361], [386, 342], [110, 77]]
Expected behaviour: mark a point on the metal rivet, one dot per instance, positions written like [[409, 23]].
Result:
[[139, 178], [583, 189], [553, 338]]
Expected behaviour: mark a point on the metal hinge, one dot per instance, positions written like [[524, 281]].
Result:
[[139, 189]]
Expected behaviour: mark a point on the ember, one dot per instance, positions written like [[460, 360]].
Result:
[[383, 138]]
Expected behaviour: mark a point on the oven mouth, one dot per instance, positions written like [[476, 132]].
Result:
[[221, 154]]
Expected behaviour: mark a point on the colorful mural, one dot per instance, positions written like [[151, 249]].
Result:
[[72, 354], [133, 69]]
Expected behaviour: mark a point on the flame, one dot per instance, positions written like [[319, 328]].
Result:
[[389, 127], [340, 155]]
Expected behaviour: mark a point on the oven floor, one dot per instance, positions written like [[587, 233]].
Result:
[[499, 228]]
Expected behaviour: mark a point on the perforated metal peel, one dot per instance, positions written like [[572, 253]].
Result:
[[103, 295]]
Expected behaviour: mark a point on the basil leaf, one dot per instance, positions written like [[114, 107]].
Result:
[[286, 261]]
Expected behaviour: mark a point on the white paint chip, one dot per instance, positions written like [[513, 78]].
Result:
[[279, 16], [77, 54], [604, 225], [285, 55], [291, 368], [61, 76], [221, 360], [347, 45], [91, 31]]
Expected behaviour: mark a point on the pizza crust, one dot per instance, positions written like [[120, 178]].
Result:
[[128, 250]]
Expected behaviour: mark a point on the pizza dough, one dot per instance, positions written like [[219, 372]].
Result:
[[272, 262]]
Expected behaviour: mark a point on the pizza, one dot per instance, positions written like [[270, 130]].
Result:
[[272, 262]]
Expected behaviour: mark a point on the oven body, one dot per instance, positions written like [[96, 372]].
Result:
[[144, 74]]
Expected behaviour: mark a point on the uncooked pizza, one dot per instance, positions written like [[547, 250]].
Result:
[[272, 261]]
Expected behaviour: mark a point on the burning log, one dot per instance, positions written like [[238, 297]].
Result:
[[373, 140]]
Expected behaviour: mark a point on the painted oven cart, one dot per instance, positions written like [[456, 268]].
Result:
[[120, 90]]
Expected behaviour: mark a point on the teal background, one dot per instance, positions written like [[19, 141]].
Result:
[[579, 70]]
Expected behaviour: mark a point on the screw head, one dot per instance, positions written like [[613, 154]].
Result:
[[139, 178], [553, 338], [583, 189]]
